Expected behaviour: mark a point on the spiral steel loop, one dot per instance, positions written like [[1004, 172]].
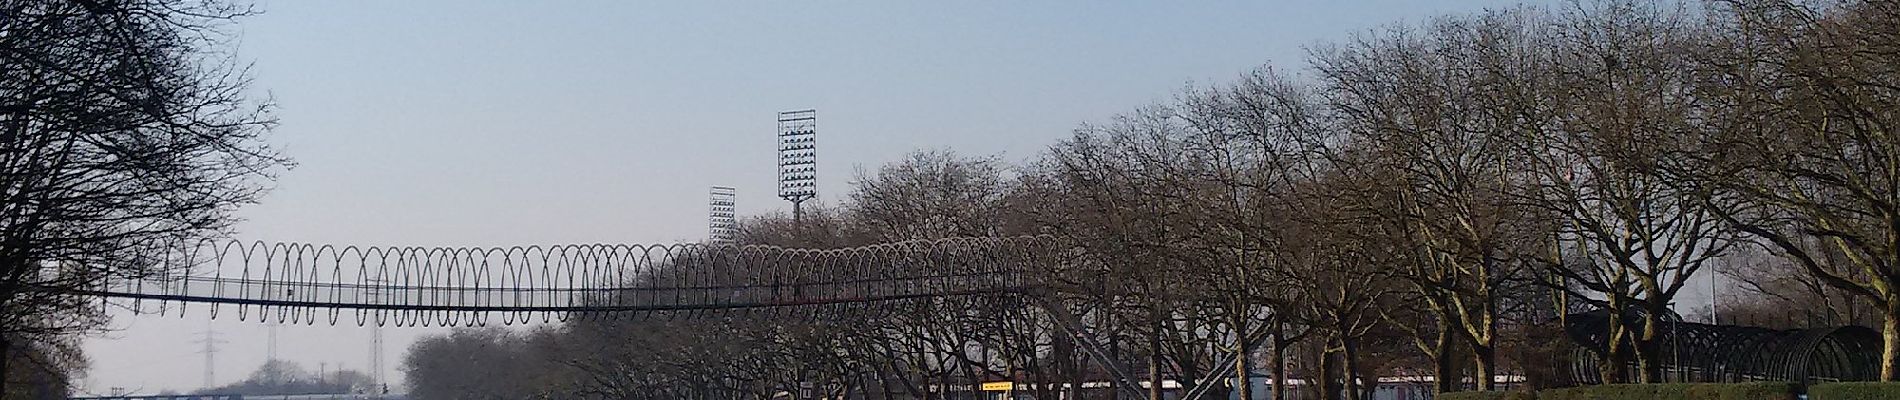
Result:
[[1726, 353], [471, 286]]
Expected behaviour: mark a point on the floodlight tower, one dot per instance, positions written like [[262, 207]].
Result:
[[798, 158], [722, 215]]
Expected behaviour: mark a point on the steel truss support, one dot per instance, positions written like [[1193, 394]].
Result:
[[1246, 341], [1126, 381], [1085, 339]]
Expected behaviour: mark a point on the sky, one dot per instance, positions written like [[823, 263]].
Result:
[[486, 123]]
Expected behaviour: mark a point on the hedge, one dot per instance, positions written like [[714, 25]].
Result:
[[1671, 391], [1855, 391], [1492, 395], [1617, 392], [1751, 391]]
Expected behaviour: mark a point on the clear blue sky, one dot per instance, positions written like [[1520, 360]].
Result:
[[492, 123]]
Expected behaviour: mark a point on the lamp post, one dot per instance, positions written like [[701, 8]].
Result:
[[1715, 309], [1675, 342]]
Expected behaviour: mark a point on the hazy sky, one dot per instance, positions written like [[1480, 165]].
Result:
[[490, 123]]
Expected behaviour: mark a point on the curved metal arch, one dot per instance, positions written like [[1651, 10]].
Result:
[[455, 286], [1726, 353]]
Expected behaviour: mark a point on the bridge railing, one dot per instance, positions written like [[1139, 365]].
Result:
[[292, 282]]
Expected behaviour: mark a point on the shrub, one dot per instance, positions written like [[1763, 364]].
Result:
[[1752, 391], [1613, 392], [1674, 391], [1492, 395], [1854, 391]]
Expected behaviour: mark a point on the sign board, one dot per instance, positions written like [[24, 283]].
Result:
[[998, 386]]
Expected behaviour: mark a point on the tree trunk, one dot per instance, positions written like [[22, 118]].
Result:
[[1890, 344], [1115, 357], [6, 354], [1243, 372], [1485, 344], [1154, 362], [1442, 369], [944, 382], [976, 380], [1045, 380], [1279, 362], [884, 384], [1649, 346], [1349, 353], [1610, 370], [1065, 365], [1609, 365], [1328, 385], [1486, 358]]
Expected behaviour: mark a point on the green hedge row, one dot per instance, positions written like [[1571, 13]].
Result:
[[1697, 391], [1855, 391], [1668, 391], [1496, 395]]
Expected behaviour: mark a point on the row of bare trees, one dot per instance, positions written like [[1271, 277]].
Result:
[[1424, 199]]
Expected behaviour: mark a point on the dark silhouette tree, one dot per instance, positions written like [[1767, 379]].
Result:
[[123, 128]]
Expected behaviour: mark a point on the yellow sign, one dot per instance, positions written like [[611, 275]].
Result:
[[998, 386]]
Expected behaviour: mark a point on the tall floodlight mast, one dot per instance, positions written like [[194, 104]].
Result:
[[722, 215], [798, 158]]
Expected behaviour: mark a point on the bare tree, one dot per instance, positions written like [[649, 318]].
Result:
[[468, 364], [1602, 136], [931, 195], [1430, 107], [43, 370], [123, 127], [1107, 192], [1250, 143], [1773, 292], [1339, 276], [1804, 156]]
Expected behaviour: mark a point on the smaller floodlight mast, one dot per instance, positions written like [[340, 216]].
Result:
[[723, 217], [798, 158]]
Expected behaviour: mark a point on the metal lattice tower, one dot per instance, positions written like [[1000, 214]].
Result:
[[376, 354], [376, 332], [211, 342], [722, 214], [798, 158]]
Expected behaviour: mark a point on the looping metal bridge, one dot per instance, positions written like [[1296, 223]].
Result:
[[473, 286], [1727, 353], [456, 286]]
